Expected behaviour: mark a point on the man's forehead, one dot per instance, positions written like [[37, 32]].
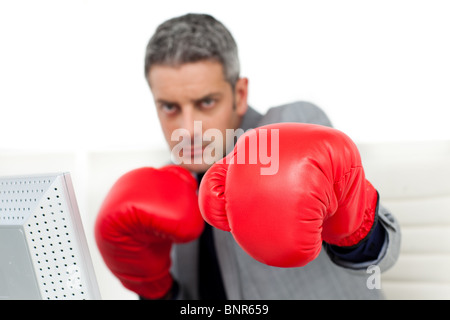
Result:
[[198, 70], [196, 80]]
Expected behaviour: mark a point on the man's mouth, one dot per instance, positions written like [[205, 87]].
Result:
[[193, 151], [197, 152]]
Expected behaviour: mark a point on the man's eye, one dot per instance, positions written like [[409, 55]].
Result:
[[208, 103], [169, 108]]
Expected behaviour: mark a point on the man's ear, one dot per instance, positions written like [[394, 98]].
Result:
[[241, 95]]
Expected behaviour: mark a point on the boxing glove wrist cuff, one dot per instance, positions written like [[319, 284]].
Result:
[[367, 250], [151, 288], [172, 294], [363, 233]]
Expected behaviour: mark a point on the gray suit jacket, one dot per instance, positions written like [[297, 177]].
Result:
[[327, 277]]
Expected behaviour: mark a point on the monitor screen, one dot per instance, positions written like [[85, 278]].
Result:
[[43, 248]]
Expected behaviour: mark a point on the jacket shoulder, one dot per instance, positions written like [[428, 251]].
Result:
[[299, 111]]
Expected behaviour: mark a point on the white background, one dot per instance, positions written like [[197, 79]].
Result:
[[71, 72]]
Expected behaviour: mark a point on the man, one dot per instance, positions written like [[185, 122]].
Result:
[[150, 229]]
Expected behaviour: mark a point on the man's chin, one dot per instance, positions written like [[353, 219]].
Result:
[[197, 168], [198, 164]]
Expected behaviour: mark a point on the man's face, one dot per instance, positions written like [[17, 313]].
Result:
[[193, 98]]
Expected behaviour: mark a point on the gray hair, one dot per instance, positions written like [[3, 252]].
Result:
[[193, 38]]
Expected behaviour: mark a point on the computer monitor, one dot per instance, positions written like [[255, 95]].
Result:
[[43, 248]]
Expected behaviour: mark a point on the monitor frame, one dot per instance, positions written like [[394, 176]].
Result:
[[43, 248]]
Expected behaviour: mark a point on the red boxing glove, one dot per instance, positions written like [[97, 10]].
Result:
[[146, 211], [319, 193]]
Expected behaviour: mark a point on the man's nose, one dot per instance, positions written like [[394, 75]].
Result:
[[191, 123], [187, 121]]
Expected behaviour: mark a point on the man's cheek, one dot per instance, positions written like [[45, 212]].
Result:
[[214, 150]]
